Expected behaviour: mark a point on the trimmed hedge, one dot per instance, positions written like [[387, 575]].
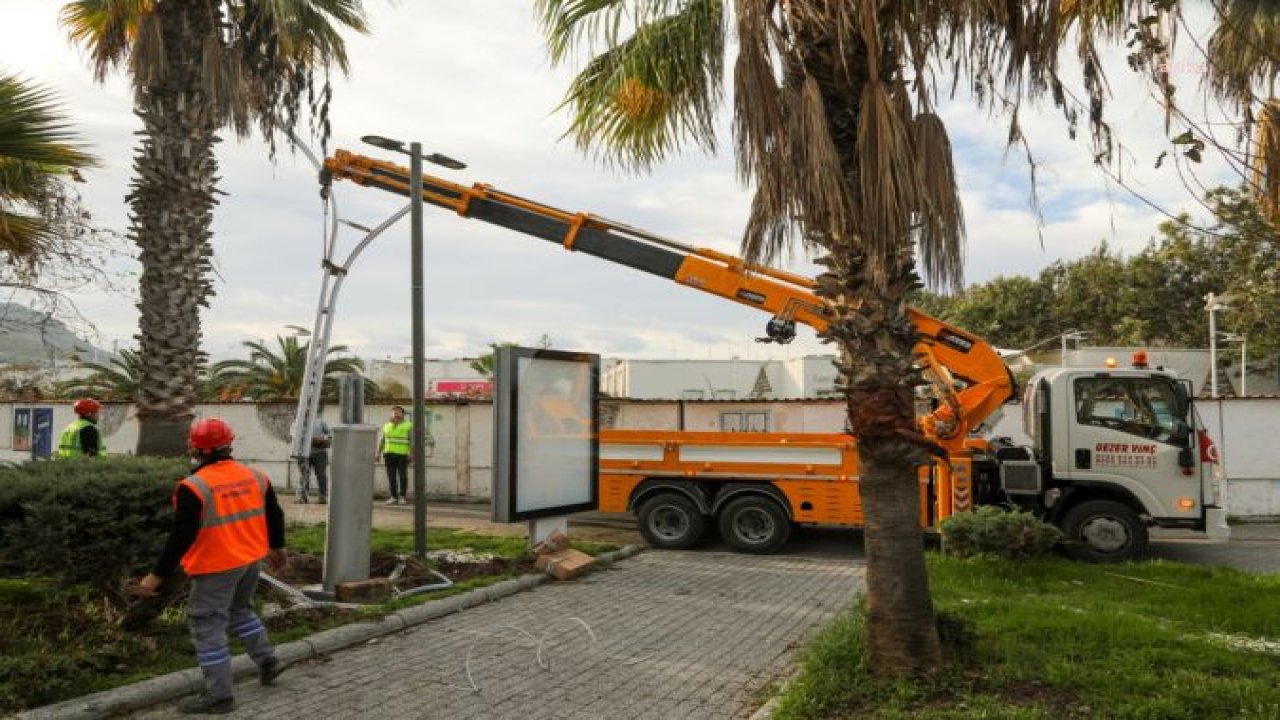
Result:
[[990, 530], [86, 520]]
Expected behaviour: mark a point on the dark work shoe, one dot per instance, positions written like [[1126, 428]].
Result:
[[205, 705], [269, 671]]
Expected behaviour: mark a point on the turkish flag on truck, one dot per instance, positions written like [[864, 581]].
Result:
[[1208, 451]]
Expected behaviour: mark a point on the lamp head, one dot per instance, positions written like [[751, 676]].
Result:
[[385, 143]]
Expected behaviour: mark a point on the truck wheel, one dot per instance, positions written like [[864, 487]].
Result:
[[671, 521], [755, 524], [1104, 531]]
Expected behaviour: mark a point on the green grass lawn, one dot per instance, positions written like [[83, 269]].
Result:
[[58, 643], [1052, 638]]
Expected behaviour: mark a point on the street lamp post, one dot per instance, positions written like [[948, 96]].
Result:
[[419, 433], [1071, 335], [1213, 303], [1244, 358]]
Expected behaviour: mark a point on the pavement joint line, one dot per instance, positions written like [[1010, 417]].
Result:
[[174, 685]]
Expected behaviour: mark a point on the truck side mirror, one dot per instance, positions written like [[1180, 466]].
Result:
[[1181, 434], [1186, 458]]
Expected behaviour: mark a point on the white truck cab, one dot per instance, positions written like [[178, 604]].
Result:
[[1113, 452]]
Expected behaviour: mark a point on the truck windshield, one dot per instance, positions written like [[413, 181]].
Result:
[[1142, 406]]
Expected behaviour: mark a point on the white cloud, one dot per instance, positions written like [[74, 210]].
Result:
[[471, 80]]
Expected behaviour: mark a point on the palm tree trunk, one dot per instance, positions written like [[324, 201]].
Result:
[[171, 209], [876, 339], [869, 324]]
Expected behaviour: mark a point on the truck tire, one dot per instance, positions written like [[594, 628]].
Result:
[[671, 521], [755, 524], [1104, 531]]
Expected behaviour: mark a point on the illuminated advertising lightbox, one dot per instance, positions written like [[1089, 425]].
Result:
[[546, 433]]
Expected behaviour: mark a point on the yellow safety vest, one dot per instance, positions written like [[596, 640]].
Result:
[[69, 441], [395, 438]]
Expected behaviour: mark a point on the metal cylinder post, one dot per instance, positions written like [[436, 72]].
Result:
[[351, 399], [347, 540]]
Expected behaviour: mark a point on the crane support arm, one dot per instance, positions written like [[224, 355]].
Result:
[[947, 353]]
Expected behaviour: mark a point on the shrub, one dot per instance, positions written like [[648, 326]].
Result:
[[86, 520], [1011, 534]]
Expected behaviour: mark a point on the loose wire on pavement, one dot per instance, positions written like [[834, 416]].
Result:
[[538, 644]]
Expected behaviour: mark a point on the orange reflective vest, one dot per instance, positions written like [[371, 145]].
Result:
[[233, 523]]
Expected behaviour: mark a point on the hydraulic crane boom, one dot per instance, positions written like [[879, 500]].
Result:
[[968, 373]]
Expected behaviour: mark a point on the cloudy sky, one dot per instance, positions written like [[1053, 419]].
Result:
[[470, 78]]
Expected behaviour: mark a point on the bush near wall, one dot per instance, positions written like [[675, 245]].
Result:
[[989, 530], [86, 520]]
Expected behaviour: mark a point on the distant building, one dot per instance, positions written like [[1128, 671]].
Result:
[[444, 378], [812, 376]]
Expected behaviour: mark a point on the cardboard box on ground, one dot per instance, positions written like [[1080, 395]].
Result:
[[373, 590], [557, 559]]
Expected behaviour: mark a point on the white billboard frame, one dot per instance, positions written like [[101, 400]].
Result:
[[546, 433]]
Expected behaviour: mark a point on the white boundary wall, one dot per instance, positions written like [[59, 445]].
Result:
[[460, 458]]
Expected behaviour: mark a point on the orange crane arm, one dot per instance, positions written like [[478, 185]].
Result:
[[966, 371]]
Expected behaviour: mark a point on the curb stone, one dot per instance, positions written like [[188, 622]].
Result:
[[171, 686]]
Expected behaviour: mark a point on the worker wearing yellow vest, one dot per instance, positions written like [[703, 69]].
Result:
[[81, 438], [396, 452], [227, 520]]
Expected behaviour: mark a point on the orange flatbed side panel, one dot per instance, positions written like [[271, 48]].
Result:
[[687, 437], [615, 491], [831, 502]]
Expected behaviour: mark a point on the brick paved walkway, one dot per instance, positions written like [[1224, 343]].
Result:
[[677, 635]]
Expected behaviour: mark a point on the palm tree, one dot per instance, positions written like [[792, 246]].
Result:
[[120, 378], [199, 66], [115, 380], [267, 376], [834, 122], [38, 155], [484, 363]]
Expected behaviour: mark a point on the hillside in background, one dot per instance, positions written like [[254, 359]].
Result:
[[32, 337]]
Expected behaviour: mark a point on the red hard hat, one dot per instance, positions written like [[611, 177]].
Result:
[[210, 434], [86, 406]]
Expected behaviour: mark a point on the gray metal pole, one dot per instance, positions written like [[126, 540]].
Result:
[[418, 451], [1213, 349]]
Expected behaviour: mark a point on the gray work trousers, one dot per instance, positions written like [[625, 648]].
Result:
[[220, 602]]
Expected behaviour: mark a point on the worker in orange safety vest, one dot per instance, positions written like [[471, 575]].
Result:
[[227, 520]]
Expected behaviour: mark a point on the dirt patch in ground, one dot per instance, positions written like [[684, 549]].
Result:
[[303, 569]]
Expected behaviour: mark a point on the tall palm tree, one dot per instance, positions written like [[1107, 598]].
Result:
[[834, 122], [39, 154], [269, 376], [199, 66]]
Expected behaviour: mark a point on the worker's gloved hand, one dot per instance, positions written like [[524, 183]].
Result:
[[149, 586], [276, 559]]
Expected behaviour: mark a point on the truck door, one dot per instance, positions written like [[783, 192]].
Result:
[[1130, 431]]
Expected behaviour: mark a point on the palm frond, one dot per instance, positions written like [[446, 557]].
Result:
[[939, 214], [277, 374], [38, 156], [1243, 53], [1265, 158], [107, 29], [597, 23], [646, 95], [33, 129]]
